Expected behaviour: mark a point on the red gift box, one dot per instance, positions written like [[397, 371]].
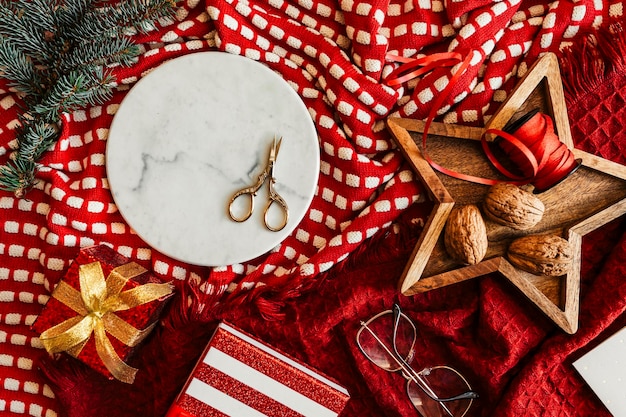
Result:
[[241, 376], [129, 296]]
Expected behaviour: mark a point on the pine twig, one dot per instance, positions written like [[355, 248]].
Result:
[[35, 138], [74, 91], [18, 69], [86, 54], [18, 177]]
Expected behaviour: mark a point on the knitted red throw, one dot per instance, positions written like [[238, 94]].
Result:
[[351, 247]]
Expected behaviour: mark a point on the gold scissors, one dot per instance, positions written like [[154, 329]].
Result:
[[273, 197]]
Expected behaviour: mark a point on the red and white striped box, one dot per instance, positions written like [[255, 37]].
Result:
[[240, 376]]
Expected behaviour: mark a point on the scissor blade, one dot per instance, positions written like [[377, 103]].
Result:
[[275, 148]]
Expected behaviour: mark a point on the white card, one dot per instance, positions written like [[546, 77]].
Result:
[[604, 369]]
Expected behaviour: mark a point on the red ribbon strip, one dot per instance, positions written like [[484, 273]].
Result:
[[427, 63]]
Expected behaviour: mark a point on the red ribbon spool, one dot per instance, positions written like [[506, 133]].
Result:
[[533, 147]]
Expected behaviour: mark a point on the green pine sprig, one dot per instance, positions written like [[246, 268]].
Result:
[[57, 56]]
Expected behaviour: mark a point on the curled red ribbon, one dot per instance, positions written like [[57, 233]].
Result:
[[533, 148], [424, 64]]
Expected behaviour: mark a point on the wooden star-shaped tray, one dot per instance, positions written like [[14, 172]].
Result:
[[589, 198]]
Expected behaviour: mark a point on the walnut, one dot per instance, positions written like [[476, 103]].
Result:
[[511, 206], [541, 254], [465, 235]]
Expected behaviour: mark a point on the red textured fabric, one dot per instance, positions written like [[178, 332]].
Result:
[[363, 222]]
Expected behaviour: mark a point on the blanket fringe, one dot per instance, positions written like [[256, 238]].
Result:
[[66, 375], [585, 65], [385, 246]]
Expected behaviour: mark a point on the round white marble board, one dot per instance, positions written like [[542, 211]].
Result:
[[191, 133]]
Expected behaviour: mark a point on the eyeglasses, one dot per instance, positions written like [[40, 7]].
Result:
[[388, 340]]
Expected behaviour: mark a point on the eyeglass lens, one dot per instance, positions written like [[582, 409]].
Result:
[[376, 341], [444, 382]]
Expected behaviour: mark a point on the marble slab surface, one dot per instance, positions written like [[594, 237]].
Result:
[[191, 133]]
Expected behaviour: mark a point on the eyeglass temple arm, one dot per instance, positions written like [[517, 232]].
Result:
[[467, 395], [408, 369], [396, 320]]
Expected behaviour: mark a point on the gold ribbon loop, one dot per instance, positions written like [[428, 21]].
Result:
[[120, 275], [124, 332], [141, 295], [93, 287], [65, 335], [95, 304], [119, 369], [64, 291]]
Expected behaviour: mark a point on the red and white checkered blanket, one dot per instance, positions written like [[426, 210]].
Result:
[[334, 55]]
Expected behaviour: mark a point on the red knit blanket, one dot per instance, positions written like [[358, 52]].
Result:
[[363, 221]]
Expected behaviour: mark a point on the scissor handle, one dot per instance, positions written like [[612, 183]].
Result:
[[251, 193], [274, 197]]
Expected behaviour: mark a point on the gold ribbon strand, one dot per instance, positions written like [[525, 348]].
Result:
[[96, 304]]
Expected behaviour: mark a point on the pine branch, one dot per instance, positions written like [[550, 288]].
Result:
[[18, 69], [39, 13], [88, 54], [26, 37], [18, 177], [54, 53], [35, 138], [104, 22], [70, 12], [73, 91], [146, 12]]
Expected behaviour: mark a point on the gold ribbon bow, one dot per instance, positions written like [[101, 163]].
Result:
[[96, 304]]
